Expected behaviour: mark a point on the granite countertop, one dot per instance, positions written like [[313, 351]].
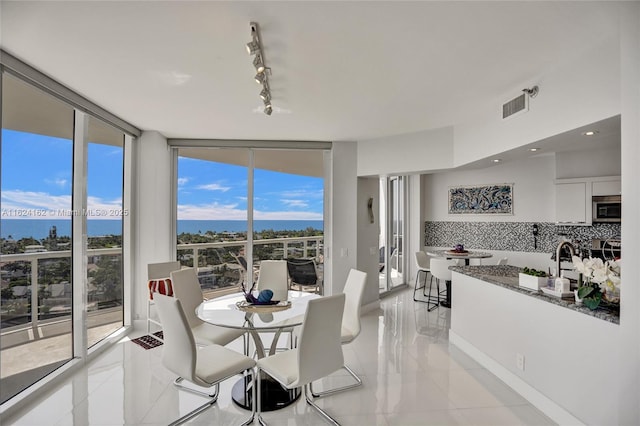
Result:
[[507, 276]]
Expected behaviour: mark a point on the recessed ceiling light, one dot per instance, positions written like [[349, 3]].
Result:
[[496, 160], [590, 133], [534, 149]]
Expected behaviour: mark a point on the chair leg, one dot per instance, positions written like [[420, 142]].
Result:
[[416, 287], [201, 408], [257, 385], [431, 304], [178, 383], [340, 389], [307, 395]]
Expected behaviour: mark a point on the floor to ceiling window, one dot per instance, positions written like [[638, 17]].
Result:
[[237, 207], [105, 174], [39, 245], [393, 224]]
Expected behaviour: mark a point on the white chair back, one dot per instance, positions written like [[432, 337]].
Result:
[[186, 288], [423, 261], [503, 261], [320, 347], [440, 268], [275, 277], [156, 271], [353, 290], [179, 349]]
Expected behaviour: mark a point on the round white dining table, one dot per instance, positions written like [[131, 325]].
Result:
[[224, 312]]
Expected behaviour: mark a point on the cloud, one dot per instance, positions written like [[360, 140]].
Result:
[[214, 187], [17, 204], [302, 193], [183, 181], [57, 182], [213, 211], [295, 203]]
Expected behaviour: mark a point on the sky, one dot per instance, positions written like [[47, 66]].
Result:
[[37, 177]]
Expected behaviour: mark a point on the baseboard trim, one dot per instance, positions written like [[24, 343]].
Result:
[[535, 397]]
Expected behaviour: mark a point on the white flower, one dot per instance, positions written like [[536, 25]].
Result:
[[605, 274]]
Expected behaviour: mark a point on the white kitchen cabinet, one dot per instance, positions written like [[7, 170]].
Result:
[[571, 203], [611, 187]]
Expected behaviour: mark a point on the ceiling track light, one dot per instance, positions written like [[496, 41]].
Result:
[[254, 47]]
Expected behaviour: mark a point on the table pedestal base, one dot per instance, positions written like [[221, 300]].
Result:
[[274, 395]]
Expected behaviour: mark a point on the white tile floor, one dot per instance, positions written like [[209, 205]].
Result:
[[411, 377]]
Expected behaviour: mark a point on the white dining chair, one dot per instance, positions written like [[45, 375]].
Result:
[[186, 288], [353, 291], [319, 352], [423, 262], [159, 281], [274, 276], [205, 367]]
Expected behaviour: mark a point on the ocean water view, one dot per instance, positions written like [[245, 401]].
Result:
[[39, 228]]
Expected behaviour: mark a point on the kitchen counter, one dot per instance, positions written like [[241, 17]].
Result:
[[507, 276], [542, 346]]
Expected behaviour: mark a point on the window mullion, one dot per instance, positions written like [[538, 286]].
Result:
[[79, 234]]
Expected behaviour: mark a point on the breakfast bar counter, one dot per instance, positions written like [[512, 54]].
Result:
[[544, 347], [507, 276]]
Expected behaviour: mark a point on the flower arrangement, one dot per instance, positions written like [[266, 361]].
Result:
[[601, 280]]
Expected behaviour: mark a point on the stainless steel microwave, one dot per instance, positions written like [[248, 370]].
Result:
[[607, 209]]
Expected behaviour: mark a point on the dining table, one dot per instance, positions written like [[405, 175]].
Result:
[[466, 255], [233, 311]]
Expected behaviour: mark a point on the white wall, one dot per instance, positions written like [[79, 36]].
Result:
[[408, 153], [627, 393], [344, 192], [582, 90], [533, 190], [595, 163], [368, 236], [153, 213]]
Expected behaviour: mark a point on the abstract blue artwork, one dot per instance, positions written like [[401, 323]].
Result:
[[481, 199]]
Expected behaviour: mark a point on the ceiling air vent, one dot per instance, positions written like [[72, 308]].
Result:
[[515, 106]]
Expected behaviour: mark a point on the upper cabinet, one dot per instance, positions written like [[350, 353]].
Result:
[[610, 187], [573, 197], [571, 203]]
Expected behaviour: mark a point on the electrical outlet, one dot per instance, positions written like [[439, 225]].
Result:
[[520, 362]]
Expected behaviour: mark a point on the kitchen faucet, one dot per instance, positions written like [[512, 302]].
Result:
[[572, 252]]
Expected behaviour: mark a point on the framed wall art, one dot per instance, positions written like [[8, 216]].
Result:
[[481, 199]]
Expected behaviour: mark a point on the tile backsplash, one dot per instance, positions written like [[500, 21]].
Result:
[[513, 236]]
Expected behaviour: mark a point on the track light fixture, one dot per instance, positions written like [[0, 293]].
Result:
[[254, 47]]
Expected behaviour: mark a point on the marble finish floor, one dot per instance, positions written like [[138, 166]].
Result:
[[411, 377]]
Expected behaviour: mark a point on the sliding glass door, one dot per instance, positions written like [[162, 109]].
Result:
[[393, 212], [44, 143]]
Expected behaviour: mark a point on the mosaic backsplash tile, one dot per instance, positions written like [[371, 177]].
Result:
[[513, 236]]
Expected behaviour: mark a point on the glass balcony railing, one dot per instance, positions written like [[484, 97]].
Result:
[[41, 310]]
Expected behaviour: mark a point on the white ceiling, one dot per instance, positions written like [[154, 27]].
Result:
[[340, 70]]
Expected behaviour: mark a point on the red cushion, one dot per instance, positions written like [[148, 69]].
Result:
[[162, 286]]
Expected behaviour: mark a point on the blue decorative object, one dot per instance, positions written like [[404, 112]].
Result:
[[265, 296], [482, 199]]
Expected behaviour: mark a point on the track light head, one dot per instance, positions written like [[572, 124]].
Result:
[[268, 110], [253, 47], [258, 64], [260, 78], [265, 95]]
